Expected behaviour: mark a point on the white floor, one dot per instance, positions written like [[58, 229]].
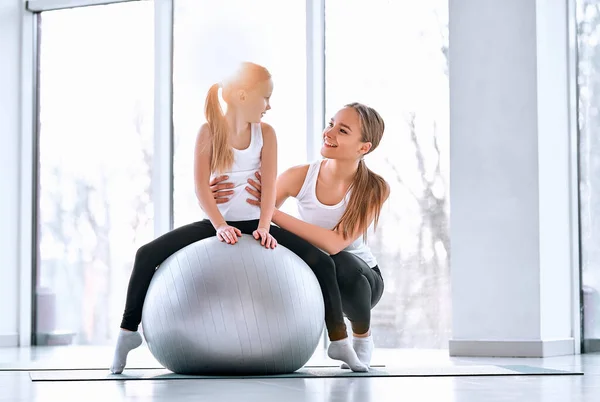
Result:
[[16, 386]]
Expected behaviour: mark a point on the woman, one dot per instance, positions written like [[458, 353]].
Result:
[[338, 198]]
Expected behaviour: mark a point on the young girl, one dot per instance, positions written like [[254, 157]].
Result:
[[236, 144], [338, 200]]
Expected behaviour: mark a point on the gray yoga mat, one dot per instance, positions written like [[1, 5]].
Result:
[[66, 366], [75, 366], [305, 372]]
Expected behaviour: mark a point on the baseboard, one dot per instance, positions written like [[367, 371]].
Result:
[[591, 345], [533, 348], [9, 340]]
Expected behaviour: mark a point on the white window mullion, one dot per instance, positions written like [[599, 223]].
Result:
[[162, 169], [574, 176], [315, 75], [315, 87], [28, 178]]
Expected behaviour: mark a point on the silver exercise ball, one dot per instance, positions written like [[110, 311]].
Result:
[[216, 308]]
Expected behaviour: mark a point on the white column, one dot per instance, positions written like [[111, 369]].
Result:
[[162, 161], [513, 179], [10, 123]]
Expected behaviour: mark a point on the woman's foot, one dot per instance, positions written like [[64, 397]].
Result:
[[342, 350], [363, 346], [127, 341]]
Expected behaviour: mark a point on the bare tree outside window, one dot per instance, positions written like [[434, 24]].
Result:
[[588, 80], [393, 57], [95, 166]]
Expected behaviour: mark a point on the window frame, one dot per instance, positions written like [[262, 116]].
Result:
[[38, 6]]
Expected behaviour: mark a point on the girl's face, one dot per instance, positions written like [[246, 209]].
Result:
[[254, 104]]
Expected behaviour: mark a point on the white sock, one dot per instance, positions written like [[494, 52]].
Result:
[[342, 350], [364, 349], [363, 346], [127, 341]]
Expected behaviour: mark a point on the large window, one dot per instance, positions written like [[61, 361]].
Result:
[[588, 76], [210, 38], [96, 115], [96, 89], [392, 55]]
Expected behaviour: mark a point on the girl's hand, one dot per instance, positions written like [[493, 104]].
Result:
[[228, 234], [266, 239]]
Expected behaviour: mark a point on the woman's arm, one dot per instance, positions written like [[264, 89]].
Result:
[[288, 184], [268, 167], [202, 153], [331, 241], [221, 191]]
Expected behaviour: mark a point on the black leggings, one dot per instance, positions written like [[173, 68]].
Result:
[[361, 288], [151, 255]]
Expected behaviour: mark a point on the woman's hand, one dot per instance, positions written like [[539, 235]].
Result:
[[218, 189], [266, 239], [228, 234], [254, 189]]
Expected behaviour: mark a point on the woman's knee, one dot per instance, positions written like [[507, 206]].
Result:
[[348, 275], [355, 289], [347, 264], [317, 258], [144, 253], [342, 257]]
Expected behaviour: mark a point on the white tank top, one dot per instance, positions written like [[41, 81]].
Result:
[[311, 210], [245, 163]]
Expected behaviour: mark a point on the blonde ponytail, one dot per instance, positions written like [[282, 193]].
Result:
[[221, 158]]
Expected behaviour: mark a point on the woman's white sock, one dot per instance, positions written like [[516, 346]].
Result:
[[363, 346], [342, 350]]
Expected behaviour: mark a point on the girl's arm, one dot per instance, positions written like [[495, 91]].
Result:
[[269, 175], [202, 153], [331, 241]]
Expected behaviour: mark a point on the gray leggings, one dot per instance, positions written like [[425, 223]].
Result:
[[361, 288]]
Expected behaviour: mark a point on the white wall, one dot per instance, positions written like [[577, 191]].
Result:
[[510, 178], [10, 117]]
